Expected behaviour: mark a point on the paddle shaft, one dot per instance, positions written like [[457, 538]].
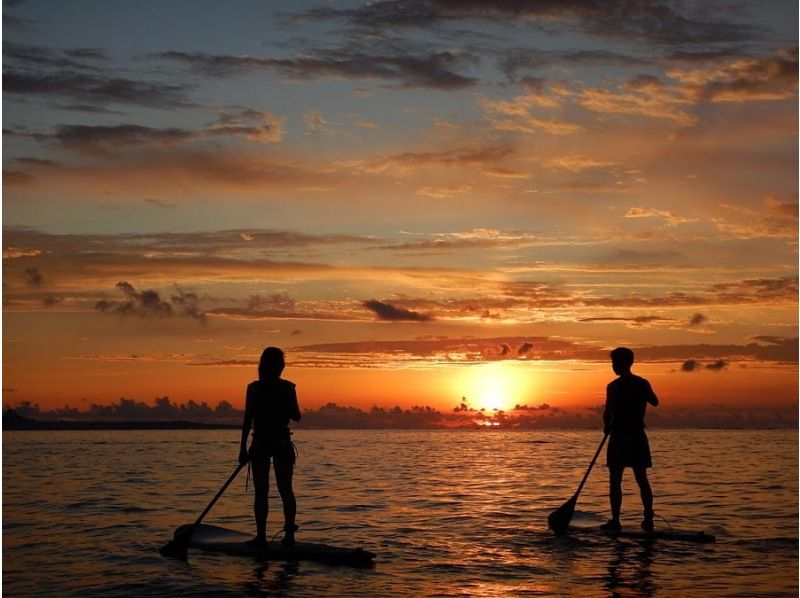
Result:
[[588, 471], [221, 490]]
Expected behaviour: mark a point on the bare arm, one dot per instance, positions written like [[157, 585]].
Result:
[[651, 396], [246, 425], [607, 416], [294, 411]]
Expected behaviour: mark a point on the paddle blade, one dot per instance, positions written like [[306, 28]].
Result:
[[179, 545], [558, 520]]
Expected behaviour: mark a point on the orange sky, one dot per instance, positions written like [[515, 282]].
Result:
[[475, 203]]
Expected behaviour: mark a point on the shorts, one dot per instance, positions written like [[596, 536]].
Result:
[[281, 449], [628, 450]]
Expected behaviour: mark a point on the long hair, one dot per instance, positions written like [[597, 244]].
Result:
[[271, 364]]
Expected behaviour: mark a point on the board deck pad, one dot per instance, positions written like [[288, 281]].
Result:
[[211, 538], [657, 534]]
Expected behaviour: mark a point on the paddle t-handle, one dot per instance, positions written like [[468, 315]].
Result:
[[220, 492]]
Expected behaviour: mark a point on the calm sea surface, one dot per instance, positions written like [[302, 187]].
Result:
[[450, 513]]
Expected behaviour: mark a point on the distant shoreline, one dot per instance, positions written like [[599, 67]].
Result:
[[12, 421]]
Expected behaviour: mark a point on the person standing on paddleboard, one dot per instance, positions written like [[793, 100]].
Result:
[[271, 402], [626, 402]]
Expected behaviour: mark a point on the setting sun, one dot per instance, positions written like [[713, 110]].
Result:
[[497, 386]]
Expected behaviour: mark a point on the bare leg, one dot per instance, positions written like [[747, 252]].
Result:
[[644, 490], [615, 491], [261, 500], [284, 470]]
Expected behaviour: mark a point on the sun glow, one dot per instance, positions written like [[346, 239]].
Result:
[[497, 386]]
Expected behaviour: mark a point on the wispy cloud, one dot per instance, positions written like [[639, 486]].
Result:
[[434, 70], [393, 313]]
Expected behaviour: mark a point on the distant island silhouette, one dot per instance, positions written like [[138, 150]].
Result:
[[13, 421]]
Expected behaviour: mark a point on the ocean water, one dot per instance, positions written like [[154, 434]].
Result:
[[449, 513]]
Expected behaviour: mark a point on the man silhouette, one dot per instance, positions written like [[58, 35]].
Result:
[[626, 402]]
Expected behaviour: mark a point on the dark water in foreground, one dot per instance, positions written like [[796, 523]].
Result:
[[457, 513]]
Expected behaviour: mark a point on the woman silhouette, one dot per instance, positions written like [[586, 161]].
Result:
[[271, 402]]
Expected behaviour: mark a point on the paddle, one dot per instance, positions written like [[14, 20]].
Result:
[[559, 519], [177, 547]]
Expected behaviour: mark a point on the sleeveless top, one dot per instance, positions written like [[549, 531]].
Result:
[[272, 404]]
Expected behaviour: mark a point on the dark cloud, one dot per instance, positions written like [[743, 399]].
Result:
[[33, 277], [149, 304], [689, 365], [94, 89], [88, 53], [524, 348], [297, 332], [697, 319], [629, 20], [98, 139], [387, 311], [433, 70], [19, 55], [51, 300], [718, 365]]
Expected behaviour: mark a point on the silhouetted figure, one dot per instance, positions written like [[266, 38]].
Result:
[[271, 402], [626, 401]]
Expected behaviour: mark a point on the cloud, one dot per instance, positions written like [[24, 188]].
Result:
[[653, 101], [689, 365], [425, 352], [671, 218], [316, 124], [634, 321], [578, 163], [744, 80], [17, 178], [433, 70], [470, 155], [717, 365], [387, 311], [697, 319], [100, 139], [443, 192], [521, 114], [637, 20], [33, 277], [276, 306], [524, 348], [777, 218], [514, 60], [255, 125], [149, 304], [96, 89], [40, 56]]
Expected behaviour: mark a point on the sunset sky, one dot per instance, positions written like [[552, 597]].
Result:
[[419, 201]]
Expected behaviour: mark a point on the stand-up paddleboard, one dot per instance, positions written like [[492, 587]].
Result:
[[657, 534], [211, 538]]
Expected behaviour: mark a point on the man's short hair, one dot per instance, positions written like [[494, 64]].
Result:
[[622, 356]]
